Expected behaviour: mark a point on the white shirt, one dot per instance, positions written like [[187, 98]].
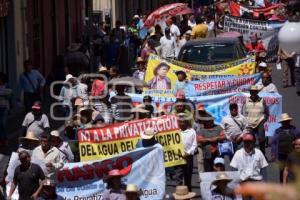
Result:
[[231, 128], [52, 156], [167, 47], [189, 141], [249, 165], [175, 32], [36, 125], [66, 152], [179, 46], [271, 88]]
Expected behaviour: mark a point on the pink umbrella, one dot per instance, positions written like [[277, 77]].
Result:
[[168, 10]]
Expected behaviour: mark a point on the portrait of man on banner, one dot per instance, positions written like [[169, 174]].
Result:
[[160, 80]]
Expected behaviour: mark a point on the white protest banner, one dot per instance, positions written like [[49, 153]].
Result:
[[143, 167], [266, 31]]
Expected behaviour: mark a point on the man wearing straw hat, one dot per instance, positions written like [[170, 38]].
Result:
[[221, 189], [63, 147], [256, 112], [132, 192], [140, 72], [282, 141]]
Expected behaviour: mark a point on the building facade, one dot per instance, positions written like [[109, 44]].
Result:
[[39, 30]]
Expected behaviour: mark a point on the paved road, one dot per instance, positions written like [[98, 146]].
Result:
[[290, 105]]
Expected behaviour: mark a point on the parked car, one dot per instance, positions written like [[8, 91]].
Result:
[[212, 50]]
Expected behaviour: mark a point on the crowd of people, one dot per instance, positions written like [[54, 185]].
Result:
[[102, 99]]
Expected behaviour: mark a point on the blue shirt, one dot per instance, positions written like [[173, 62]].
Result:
[[37, 81]]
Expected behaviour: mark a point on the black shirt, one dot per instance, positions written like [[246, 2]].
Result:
[[28, 180]]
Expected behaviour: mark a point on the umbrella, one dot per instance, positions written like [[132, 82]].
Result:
[[167, 11], [127, 81]]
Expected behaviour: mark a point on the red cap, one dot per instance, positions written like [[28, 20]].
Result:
[[36, 106], [248, 137]]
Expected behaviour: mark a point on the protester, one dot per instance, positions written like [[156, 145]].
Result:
[[219, 164], [198, 125], [149, 105], [190, 147], [208, 139], [221, 190], [132, 192], [29, 142], [256, 113], [263, 67], [288, 65], [103, 106], [181, 106], [48, 157], [99, 84], [114, 72], [292, 164], [167, 45], [174, 30], [82, 91], [140, 72], [139, 112], [249, 161], [114, 186], [282, 141], [5, 96], [297, 74], [182, 193], [267, 85], [148, 49], [36, 121], [181, 84], [32, 83], [26, 177], [118, 32], [234, 125], [147, 139], [186, 37], [63, 147], [68, 94], [75, 61], [200, 30], [48, 191], [121, 105]]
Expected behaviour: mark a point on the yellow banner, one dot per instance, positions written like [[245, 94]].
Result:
[[103, 143], [162, 80]]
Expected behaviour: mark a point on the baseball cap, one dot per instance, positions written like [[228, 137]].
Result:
[[248, 137], [219, 160]]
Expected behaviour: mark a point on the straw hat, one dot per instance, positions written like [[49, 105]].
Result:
[[263, 64], [221, 177], [285, 117], [29, 136], [132, 188], [182, 192], [55, 133], [254, 88], [102, 69], [68, 77], [148, 134]]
